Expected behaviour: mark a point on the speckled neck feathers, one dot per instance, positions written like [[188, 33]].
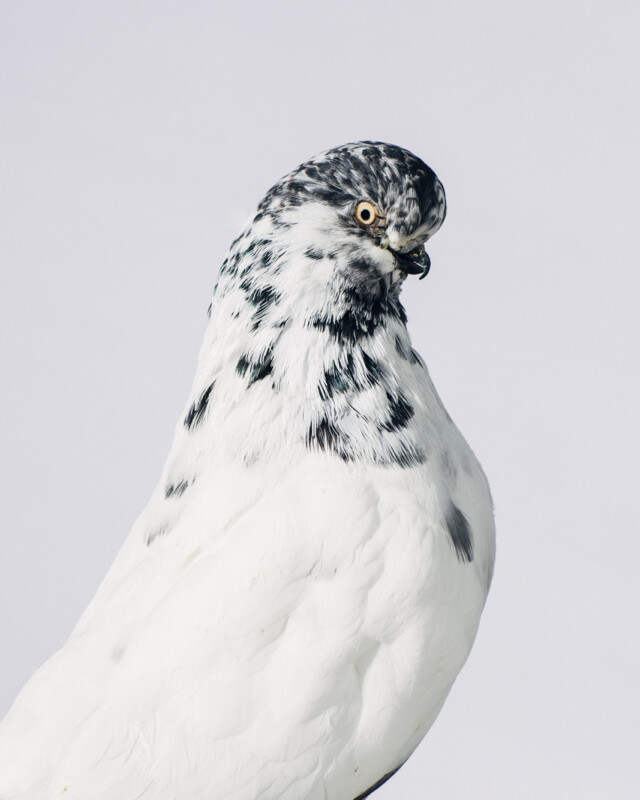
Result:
[[307, 343]]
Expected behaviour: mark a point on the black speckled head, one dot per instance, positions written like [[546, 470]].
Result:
[[407, 193], [331, 243]]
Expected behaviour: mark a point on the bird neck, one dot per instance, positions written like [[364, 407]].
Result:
[[309, 386], [301, 354]]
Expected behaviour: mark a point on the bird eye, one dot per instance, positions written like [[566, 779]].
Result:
[[366, 213]]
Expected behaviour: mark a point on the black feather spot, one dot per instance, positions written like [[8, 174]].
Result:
[[325, 436], [400, 412], [333, 383], [176, 489], [257, 370], [230, 266], [242, 366], [403, 455], [197, 410], [460, 533], [266, 259], [261, 298], [374, 371], [365, 312], [255, 244], [156, 534]]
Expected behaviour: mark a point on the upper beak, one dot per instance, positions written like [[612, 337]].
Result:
[[415, 262]]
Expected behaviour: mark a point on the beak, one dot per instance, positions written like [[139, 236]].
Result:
[[415, 262]]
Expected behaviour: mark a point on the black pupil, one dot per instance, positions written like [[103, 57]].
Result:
[[365, 215]]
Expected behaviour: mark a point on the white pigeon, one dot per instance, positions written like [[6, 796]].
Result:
[[288, 614]]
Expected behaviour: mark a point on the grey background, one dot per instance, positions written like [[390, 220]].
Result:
[[137, 136]]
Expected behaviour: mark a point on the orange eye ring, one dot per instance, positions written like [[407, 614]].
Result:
[[366, 213]]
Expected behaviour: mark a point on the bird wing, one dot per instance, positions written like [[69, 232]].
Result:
[[264, 650]]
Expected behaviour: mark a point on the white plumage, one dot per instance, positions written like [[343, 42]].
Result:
[[289, 612]]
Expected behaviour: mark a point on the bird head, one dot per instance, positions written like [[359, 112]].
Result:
[[333, 240], [376, 200]]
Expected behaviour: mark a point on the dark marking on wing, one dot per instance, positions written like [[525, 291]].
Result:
[[156, 534], [176, 489], [378, 784], [403, 455], [198, 409], [460, 533]]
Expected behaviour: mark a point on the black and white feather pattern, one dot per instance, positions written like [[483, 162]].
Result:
[[289, 612]]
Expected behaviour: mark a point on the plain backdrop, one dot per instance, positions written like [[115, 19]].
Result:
[[135, 139]]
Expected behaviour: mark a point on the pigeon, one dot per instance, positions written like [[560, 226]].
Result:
[[289, 612]]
